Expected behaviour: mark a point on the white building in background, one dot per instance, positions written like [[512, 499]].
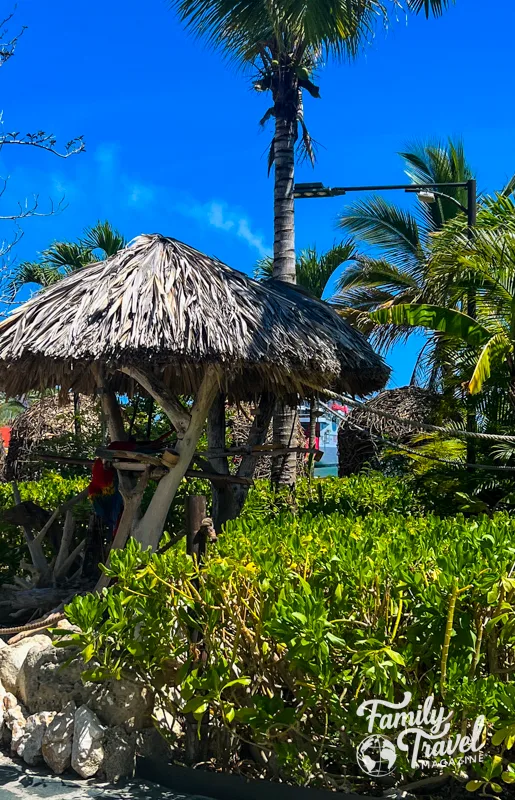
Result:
[[329, 419]]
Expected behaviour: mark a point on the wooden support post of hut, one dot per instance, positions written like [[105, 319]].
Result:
[[163, 320]]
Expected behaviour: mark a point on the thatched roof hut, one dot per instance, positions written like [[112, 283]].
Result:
[[357, 442], [171, 321], [162, 304]]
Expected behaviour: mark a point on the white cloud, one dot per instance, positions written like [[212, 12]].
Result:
[[117, 187], [219, 215], [217, 218], [140, 195]]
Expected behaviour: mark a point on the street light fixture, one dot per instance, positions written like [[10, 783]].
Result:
[[426, 192], [426, 197]]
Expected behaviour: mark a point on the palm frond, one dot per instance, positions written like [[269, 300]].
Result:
[[509, 188], [67, 256], [36, 272], [436, 162], [313, 269], [103, 237], [243, 29], [494, 351], [435, 318], [9, 410], [382, 224], [375, 272], [434, 7]]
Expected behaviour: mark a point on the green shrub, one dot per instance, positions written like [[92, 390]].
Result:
[[51, 491], [292, 623], [357, 495]]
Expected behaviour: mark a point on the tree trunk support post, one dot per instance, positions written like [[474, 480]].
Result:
[[195, 511], [189, 426]]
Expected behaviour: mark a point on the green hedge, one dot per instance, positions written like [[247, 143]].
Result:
[[51, 491], [357, 495], [304, 617]]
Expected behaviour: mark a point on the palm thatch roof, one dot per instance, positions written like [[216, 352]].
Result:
[[358, 442], [239, 423], [160, 304], [50, 426]]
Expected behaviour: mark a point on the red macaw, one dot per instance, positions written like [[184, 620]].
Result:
[[103, 489]]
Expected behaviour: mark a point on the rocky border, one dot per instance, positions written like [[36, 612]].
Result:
[[48, 715]]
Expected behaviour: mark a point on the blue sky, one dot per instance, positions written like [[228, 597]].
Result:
[[173, 143]]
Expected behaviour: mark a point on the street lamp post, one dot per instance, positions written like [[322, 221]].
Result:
[[427, 193]]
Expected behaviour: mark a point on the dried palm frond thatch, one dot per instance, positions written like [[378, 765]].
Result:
[[48, 425], [357, 445], [240, 421], [162, 305]]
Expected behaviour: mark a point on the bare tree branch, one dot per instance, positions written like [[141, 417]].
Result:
[[44, 141], [39, 140]]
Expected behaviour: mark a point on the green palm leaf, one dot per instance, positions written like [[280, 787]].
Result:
[[381, 224], [313, 269], [9, 410], [494, 352], [375, 272], [32, 272], [435, 318], [434, 7], [67, 256], [104, 237]]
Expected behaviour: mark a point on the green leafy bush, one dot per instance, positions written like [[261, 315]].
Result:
[[51, 491], [357, 495], [292, 623]]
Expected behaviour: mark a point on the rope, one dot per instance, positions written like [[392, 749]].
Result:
[[448, 462]]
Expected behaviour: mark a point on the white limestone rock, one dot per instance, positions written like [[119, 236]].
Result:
[[57, 741], [30, 746], [122, 703], [13, 657], [88, 743], [47, 683], [9, 701]]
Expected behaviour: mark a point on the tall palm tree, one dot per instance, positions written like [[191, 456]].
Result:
[[314, 270], [479, 352], [282, 44], [399, 272], [487, 266], [96, 244]]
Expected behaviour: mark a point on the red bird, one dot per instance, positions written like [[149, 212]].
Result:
[[103, 489], [104, 494]]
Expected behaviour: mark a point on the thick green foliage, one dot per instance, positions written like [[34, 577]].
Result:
[[303, 617], [49, 492], [356, 495]]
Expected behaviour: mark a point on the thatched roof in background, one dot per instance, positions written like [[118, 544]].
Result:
[[239, 423], [49, 426], [161, 304], [356, 444]]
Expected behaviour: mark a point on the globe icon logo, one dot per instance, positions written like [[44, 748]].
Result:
[[376, 756]]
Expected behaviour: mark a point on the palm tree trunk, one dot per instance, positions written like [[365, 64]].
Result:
[[284, 232], [76, 415], [224, 500], [284, 468]]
